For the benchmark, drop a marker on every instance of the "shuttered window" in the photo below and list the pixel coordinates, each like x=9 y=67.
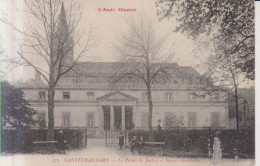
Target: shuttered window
x=215 y=119
x=90 y=119
x=66 y=119
x=192 y=119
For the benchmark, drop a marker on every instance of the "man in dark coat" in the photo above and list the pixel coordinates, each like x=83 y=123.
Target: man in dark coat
x=61 y=142
x=121 y=140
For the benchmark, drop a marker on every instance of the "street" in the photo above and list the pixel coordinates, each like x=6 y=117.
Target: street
x=98 y=154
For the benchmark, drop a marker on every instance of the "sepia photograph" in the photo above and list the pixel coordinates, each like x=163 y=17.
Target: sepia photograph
x=119 y=82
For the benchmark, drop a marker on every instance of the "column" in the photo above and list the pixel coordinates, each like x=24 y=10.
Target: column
x=123 y=118
x=112 y=121
x=100 y=120
x=135 y=121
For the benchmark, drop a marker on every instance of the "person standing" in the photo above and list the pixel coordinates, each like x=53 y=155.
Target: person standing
x=141 y=144
x=121 y=140
x=61 y=142
x=133 y=143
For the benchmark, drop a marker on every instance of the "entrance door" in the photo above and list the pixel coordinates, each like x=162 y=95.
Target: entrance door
x=106 y=112
x=117 y=117
x=129 y=117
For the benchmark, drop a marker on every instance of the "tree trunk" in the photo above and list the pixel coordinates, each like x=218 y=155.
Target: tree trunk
x=150 y=114
x=51 y=94
x=51 y=88
x=237 y=111
x=236 y=94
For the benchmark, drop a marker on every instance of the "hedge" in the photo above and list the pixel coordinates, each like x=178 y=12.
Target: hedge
x=21 y=140
x=201 y=140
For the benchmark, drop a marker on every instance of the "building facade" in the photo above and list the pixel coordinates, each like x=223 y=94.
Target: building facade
x=90 y=101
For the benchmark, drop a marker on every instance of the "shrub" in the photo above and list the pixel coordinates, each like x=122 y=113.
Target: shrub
x=198 y=140
x=21 y=140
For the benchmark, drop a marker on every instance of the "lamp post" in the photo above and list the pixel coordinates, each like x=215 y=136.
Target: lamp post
x=207 y=126
x=244 y=108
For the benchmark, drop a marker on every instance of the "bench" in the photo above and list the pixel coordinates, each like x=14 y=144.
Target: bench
x=154 y=147
x=45 y=145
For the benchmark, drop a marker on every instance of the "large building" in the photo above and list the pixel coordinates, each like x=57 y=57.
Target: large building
x=87 y=98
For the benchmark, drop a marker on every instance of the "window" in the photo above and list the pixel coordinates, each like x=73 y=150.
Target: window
x=144 y=96
x=144 y=119
x=41 y=116
x=90 y=95
x=66 y=95
x=215 y=119
x=42 y=95
x=66 y=119
x=192 y=119
x=196 y=96
x=41 y=120
x=168 y=96
x=90 y=119
x=168 y=119
x=215 y=96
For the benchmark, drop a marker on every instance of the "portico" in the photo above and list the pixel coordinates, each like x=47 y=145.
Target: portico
x=117 y=111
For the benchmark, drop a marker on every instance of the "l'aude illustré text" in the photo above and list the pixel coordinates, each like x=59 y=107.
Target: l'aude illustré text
x=117 y=9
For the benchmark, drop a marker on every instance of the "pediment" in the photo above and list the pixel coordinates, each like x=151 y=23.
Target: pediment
x=117 y=96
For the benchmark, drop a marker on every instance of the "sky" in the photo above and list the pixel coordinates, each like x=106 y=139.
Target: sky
x=107 y=26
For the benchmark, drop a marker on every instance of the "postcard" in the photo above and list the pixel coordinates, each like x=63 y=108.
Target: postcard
x=118 y=82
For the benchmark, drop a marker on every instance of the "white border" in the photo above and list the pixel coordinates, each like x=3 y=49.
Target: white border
x=257 y=80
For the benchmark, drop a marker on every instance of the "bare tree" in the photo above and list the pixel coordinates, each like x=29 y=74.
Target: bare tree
x=222 y=74
x=49 y=40
x=142 y=59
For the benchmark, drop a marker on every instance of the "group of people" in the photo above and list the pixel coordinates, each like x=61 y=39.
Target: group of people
x=137 y=144
x=134 y=142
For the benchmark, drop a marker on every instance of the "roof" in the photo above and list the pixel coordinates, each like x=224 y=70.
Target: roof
x=110 y=67
x=100 y=74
